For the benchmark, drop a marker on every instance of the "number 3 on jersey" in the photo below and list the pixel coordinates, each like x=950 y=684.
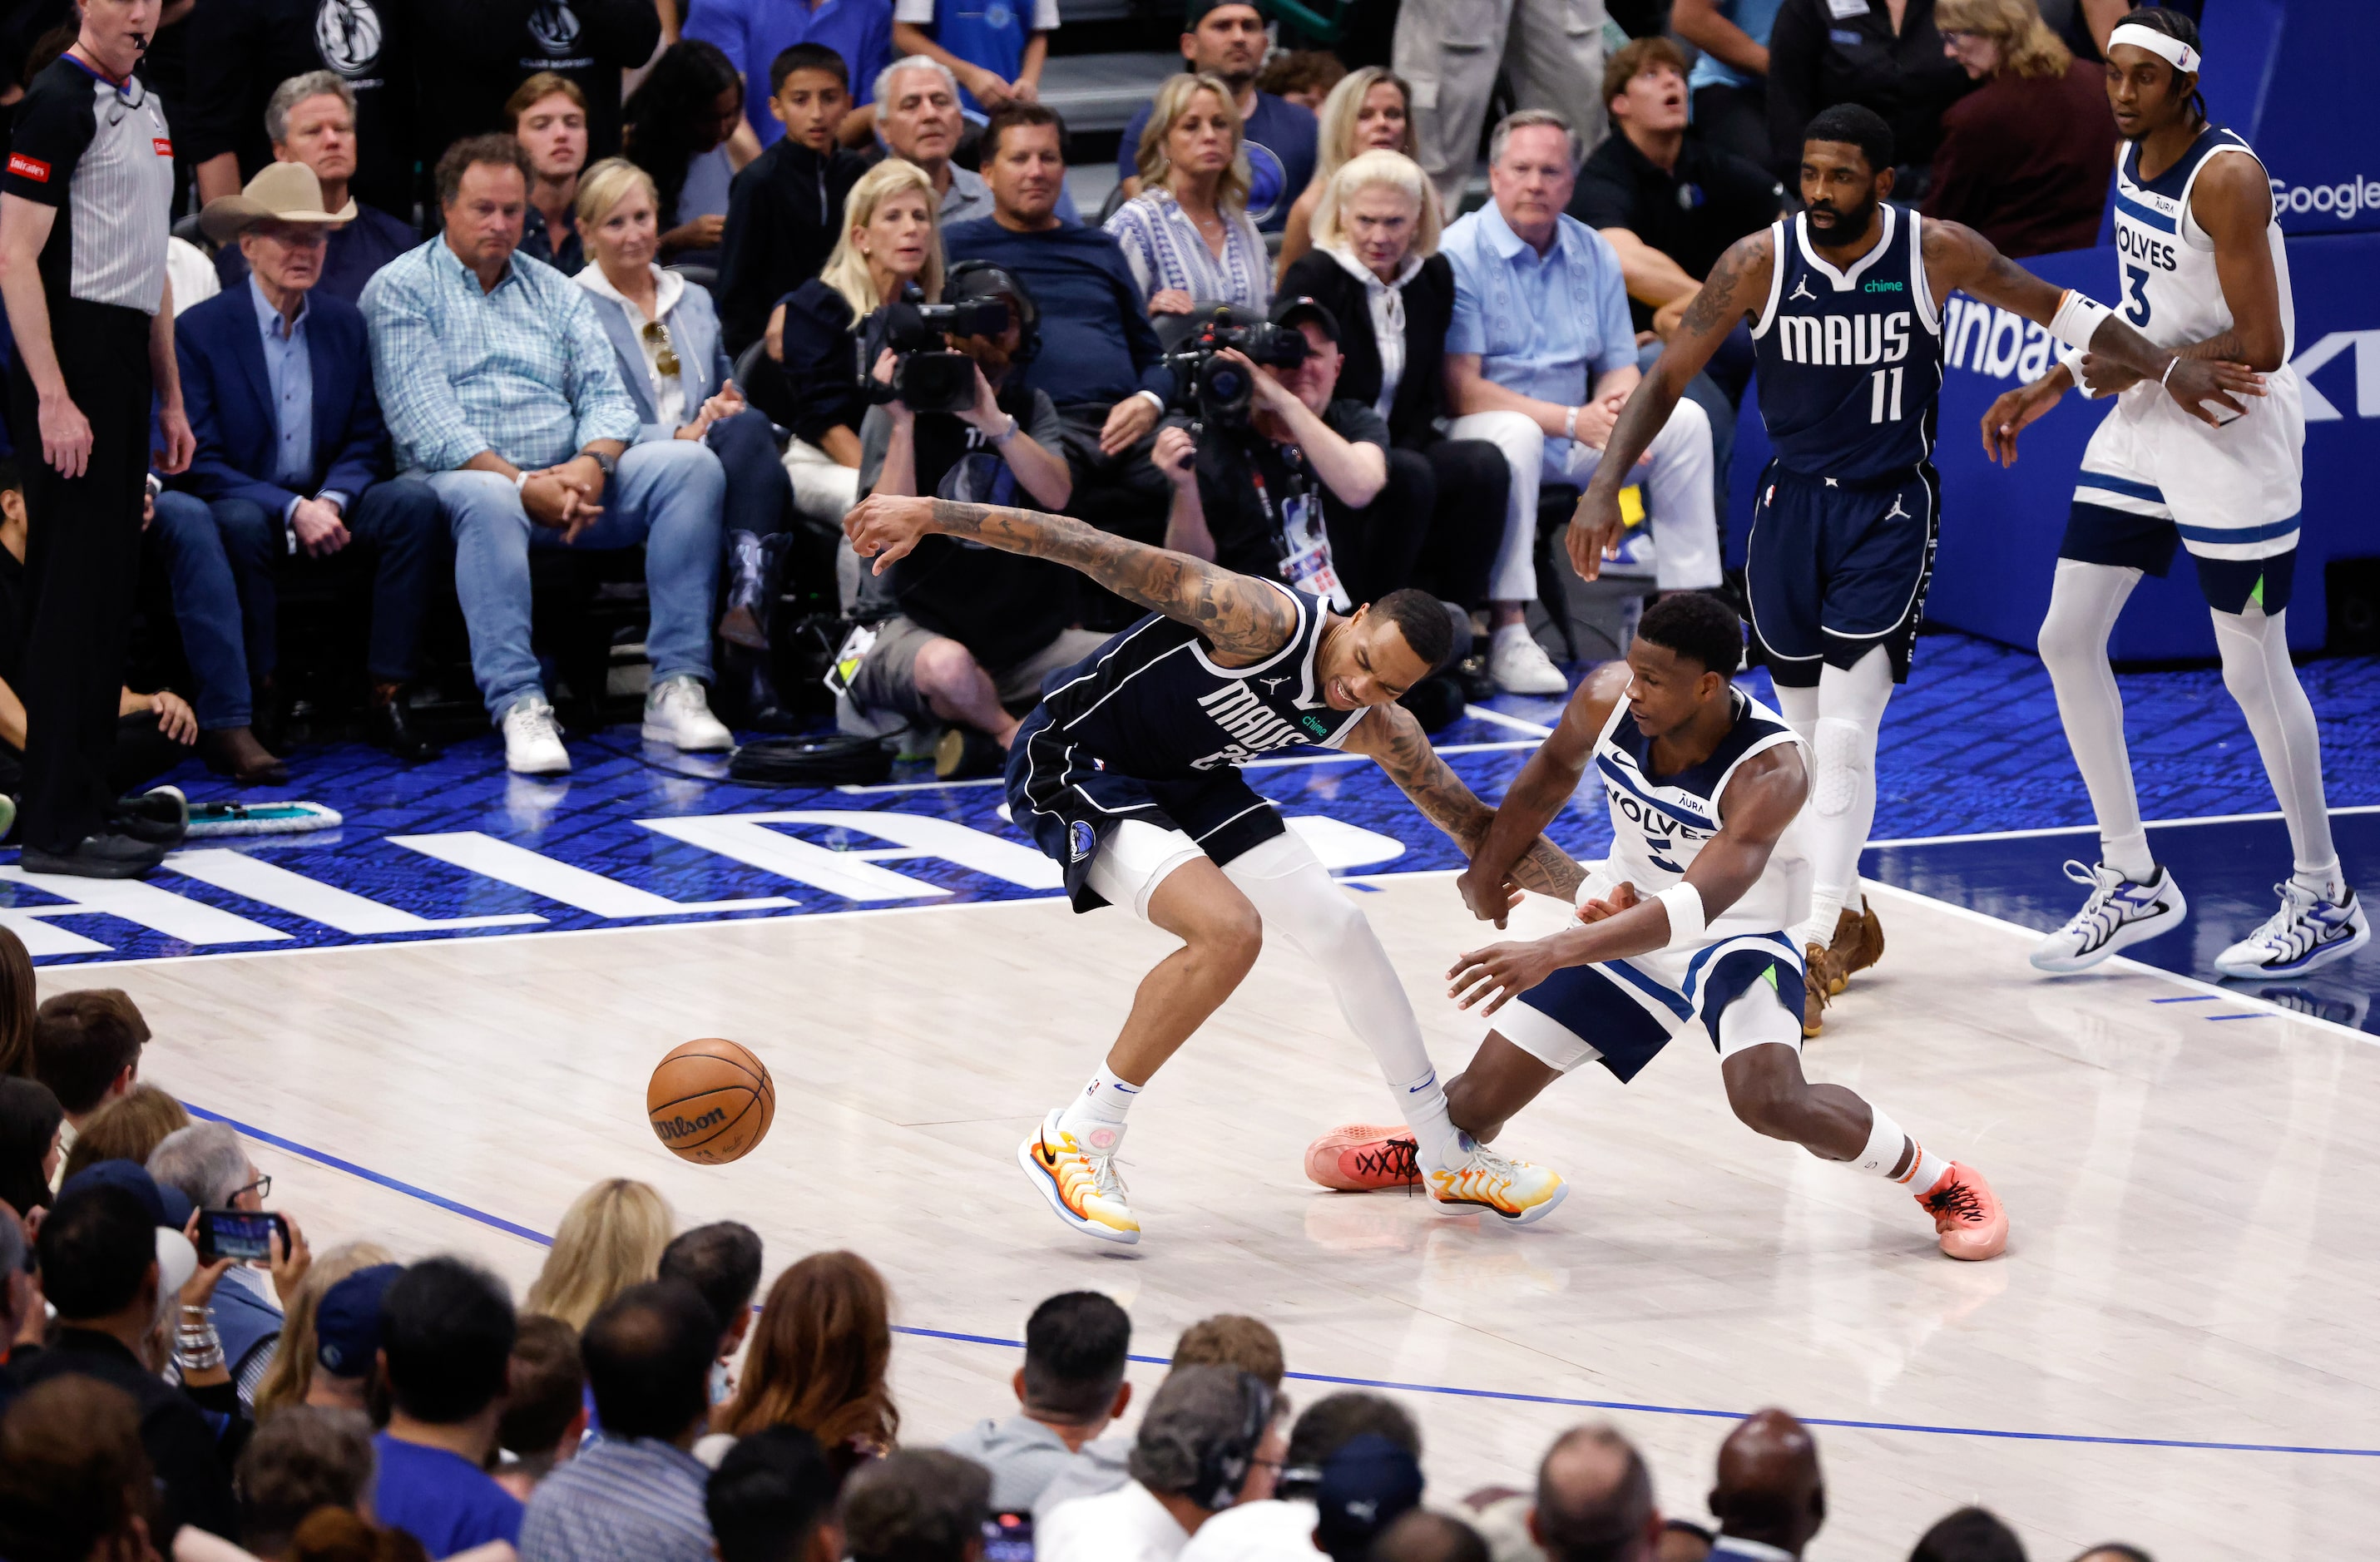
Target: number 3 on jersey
x=1879 y=395
x=2138 y=279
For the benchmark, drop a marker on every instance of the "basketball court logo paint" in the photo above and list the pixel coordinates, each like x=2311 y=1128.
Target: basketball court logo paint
x=349 y=34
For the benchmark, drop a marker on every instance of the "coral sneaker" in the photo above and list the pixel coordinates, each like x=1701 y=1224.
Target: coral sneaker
x=1517 y=1190
x=1079 y=1181
x=1967 y=1213
x=1360 y=1157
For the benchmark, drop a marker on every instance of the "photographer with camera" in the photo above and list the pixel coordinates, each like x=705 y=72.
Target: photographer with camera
x=977 y=629
x=1275 y=478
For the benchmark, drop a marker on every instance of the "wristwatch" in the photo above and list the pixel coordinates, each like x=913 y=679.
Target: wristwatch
x=609 y=463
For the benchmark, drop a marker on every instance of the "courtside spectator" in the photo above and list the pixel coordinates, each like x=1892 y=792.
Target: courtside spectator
x=297 y=1462
x=721 y=1261
x=919 y=119
x=785 y=210
x=1304 y=77
x=676 y=128
x=1594 y=1500
x=1971 y=1534
x=1544 y=379
x=1226 y=39
x=1377 y=269
x=1280 y=1528
x=1195 y=1454
x=1100 y=357
x=86 y=1049
x=125 y=1128
x=114 y=1261
x=995 y=52
x=297 y=1376
x=1369 y=1483
x=545 y=1405
x=446 y=1338
x=349 y=1370
x=485 y=50
x=17 y=999
x=757 y=34
x=1683 y=1541
x=1423 y=1536
x=666 y=340
x=916 y=1505
x=76 y=1483
x=313 y=119
x=1820 y=56
x=1234 y=1340
x=817 y=1360
x=1549 y=50
x=2024 y=157
x=2115 y=1551
x=1070 y=1390
x=277 y=376
x=547 y=114
x=1369 y=110
x=636 y=1495
x=1731 y=75
x=23 y=1315
x=826 y=332
x=771 y=1499
x=977 y=629
x=529 y=435
x=153 y=733
x=211 y=1167
x=1187 y=235
x=1770 y=1497
x=610 y=1239
x=244 y=55
x=31 y=1122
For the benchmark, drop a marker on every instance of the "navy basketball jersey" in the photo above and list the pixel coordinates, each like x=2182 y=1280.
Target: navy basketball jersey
x=1851 y=362
x=1151 y=705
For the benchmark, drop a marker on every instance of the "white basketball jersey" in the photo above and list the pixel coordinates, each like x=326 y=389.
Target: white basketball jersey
x=1661 y=823
x=2166 y=286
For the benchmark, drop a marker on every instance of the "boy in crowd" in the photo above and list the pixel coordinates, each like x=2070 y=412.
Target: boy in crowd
x=785 y=210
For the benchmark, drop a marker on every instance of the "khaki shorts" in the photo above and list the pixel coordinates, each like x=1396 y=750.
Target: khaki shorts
x=887 y=679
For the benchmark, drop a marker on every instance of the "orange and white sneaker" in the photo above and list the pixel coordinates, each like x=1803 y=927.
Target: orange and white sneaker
x=1080 y=1179
x=1967 y=1213
x=1516 y=1191
x=1359 y=1158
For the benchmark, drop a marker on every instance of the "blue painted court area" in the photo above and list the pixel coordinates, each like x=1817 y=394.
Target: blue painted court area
x=639 y=835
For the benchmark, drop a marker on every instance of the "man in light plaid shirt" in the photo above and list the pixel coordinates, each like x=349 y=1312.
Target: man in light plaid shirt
x=500 y=387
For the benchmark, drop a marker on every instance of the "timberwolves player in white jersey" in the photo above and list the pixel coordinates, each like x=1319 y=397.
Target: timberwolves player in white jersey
x=1846 y=305
x=2204 y=273
x=1685 y=926
x=1128 y=776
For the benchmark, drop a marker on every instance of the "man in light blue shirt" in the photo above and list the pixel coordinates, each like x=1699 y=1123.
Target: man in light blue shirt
x=500 y=387
x=1539 y=358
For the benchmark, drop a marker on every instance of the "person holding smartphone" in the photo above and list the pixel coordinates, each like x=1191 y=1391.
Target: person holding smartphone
x=210 y=1167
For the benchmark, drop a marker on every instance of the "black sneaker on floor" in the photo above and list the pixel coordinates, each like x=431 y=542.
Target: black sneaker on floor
x=112 y=854
x=161 y=817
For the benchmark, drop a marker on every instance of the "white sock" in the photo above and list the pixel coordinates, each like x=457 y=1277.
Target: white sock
x=1096 y=1115
x=2084 y=601
x=2129 y=856
x=2325 y=881
x=1887 y=1143
x=1438 y=1144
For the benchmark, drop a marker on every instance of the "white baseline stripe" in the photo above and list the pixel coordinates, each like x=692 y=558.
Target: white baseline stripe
x=2094 y=830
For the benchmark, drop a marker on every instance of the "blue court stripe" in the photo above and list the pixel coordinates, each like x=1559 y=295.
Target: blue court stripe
x=2191 y=998
x=1506 y=1396
x=2148 y=215
x=2265 y=533
x=2237 y=1016
x=2125 y=486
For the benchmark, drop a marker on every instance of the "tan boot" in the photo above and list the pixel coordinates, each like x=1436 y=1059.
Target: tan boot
x=1858 y=943
x=1818 y=985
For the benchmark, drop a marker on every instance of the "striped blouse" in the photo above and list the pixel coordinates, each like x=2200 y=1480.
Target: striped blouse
x=1165 y=249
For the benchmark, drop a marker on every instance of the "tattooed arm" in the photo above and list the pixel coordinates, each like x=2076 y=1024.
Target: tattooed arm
x=1246 y=620
x=1392 y=736
x=1738 y=287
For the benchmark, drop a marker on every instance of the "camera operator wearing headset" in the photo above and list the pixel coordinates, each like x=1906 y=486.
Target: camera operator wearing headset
x=976 y=629
x=1296 y=488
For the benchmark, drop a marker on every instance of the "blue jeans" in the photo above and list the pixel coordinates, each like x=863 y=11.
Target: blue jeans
x=666 y=495
x=760 y=496
x=222 y=557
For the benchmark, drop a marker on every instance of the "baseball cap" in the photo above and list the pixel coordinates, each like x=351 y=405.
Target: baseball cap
x=1290 y=312
x=347 y=1322
x=169 y=1207
x=1366 y=1484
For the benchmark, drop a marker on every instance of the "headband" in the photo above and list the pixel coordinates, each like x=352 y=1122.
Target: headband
x=2173 y=51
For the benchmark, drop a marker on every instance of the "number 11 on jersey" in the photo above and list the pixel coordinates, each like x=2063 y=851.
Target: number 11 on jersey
x=1879 y=396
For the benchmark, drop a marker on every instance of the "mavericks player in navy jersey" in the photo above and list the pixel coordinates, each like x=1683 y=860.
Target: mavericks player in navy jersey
x=2205 y=274
x=1846 y=304
x=1127 y=775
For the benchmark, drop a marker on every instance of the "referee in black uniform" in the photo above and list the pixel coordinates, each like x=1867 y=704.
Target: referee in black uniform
x=84 y=209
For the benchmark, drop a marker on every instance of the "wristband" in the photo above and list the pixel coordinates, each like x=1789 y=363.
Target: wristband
x=1008 y=433
x=1684 y=904
x=2077 y=318
x=1569 y=423
x=2073 y=362
x=2168 y=369
x=520 y=482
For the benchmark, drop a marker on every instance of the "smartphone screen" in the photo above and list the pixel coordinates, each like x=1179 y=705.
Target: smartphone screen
x=240 y=1233
x=1008 y=1537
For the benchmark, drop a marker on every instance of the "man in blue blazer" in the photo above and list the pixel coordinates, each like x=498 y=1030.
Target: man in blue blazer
x=293 y=461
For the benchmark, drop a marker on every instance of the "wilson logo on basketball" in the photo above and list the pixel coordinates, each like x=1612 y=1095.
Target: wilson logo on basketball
x=680 y=1127
x=31 y=168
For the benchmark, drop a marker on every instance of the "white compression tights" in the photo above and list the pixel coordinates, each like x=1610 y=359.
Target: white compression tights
x=1839 y=719
x=2084 y=602
x=1298 y=899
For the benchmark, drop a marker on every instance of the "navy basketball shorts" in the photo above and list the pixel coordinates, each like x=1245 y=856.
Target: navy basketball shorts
x=1621 y=1012
x=1833 y=571
x=2125 y=522
x=1074 y=805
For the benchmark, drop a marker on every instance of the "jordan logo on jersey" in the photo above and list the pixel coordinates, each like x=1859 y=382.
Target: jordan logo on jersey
x=1801 y=290
x=1836 y=340
x=1255 y=729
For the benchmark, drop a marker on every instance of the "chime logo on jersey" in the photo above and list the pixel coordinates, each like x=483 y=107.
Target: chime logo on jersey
x=1843 y=340
x=1258 y=730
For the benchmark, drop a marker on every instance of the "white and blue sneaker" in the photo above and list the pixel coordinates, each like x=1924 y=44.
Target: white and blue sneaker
x=2307 y=932
x=2119 y=913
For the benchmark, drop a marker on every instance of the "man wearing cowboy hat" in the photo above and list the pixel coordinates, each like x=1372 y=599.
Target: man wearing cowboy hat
x=293 y=463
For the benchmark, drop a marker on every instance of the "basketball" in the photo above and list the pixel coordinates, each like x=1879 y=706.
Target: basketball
x=711 y=1101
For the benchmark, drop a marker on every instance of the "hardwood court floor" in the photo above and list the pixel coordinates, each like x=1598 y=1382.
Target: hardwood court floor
x=2190 y=1179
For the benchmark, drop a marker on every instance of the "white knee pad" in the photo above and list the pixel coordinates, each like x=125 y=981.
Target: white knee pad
x=1845 y=764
